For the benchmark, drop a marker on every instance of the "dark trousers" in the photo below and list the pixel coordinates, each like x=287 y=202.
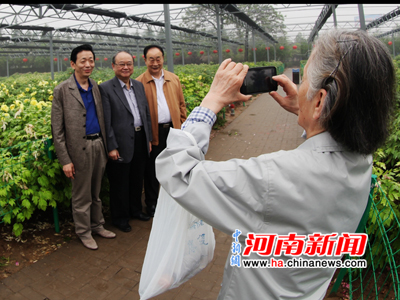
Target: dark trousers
x=151 y=184
x=126 y=182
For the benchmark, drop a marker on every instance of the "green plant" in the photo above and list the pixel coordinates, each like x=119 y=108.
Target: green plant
x=4 y=261
x=30 y=180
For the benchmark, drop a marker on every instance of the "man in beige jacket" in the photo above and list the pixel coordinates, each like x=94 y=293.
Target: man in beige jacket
x=78 y=130
x=167 y=109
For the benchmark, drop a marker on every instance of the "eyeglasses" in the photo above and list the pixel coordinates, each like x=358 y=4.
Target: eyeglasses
x=121 y=65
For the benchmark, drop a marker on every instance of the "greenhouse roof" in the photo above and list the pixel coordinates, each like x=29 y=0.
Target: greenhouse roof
x=27 y=26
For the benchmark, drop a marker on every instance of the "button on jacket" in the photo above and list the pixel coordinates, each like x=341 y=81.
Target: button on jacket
x=317 y=187
x=175 y=100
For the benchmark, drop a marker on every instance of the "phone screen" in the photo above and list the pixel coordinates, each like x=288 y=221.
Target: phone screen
x=259 y=80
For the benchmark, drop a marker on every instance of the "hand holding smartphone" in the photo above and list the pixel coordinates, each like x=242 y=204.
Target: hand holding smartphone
x=259 y=80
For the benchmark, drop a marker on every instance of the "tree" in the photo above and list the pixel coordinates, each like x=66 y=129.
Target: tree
x=265 y=16
x=302 y=45
x=201 y=18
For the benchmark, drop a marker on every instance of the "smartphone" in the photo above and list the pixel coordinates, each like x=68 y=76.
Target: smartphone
x=259 y=80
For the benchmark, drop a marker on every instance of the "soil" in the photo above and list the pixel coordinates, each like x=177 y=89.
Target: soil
x=39 y=237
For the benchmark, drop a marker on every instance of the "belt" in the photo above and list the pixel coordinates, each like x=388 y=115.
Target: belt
x=138 y=128
x=165 y=125
x=93 y=136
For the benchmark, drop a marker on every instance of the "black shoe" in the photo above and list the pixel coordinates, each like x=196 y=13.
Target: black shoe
x=141 y=217
x=151 y=210
x=123 y=226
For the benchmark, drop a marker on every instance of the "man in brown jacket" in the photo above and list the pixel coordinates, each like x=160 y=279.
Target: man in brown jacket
x=167 y=109
x=79 y=139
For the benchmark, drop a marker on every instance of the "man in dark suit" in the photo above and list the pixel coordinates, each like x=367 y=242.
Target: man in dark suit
x=129 y=136
x=79 y=139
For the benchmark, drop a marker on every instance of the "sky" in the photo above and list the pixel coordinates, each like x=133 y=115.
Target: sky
x=299 y=18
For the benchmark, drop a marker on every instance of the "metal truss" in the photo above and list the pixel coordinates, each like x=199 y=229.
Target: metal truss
x=107 y=28
x=324 y=15
x=388 y=17
x=388 y=33
x=93 y=21
x=242 y=19
x=307 y=26
x=231 y=8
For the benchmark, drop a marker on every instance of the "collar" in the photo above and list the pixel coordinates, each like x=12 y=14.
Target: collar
x=161 y=77
x=322 y=142
x=79 y=86
x=123 y=83
x=148 y=77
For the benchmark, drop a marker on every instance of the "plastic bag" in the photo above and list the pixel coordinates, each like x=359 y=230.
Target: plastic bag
x=179 y=247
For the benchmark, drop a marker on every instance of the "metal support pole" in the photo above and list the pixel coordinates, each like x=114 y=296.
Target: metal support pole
x=254 y=47
x=138 y=55
x=274 y=53
x=362 y=18
x=183 y=56
x=334 y=15
x=56 y=220
x=394 y=52
x=58 y=62
x=208 y=55
x=170 y=58
x=8 y=69
x=219 y=34
x=51 y=55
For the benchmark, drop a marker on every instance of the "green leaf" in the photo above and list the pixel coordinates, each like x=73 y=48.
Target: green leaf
x=26 y=204
x=26 y=173
x=3 y=192
x=43 y=181
x=17 y=229
x=7 y=218
x=42 y=204
x=20 y=217
x=35 y=200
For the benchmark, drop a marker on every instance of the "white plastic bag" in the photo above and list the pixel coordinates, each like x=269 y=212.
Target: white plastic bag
x=179 y=247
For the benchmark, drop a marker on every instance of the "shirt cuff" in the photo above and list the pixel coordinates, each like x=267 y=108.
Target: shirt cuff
x=200 y=114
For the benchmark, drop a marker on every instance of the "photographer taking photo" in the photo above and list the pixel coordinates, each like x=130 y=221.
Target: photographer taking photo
x=344 y=105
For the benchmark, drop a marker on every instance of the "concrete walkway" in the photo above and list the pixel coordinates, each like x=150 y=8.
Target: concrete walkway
x=113 y=271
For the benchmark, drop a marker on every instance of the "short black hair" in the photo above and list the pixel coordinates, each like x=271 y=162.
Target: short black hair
x=147 y=48
x=84 y=47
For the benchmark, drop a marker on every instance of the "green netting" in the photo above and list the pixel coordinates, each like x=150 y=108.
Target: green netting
x=380 y=280
x=280 y=69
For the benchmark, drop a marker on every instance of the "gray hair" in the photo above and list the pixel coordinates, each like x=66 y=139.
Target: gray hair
x=357 y=72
